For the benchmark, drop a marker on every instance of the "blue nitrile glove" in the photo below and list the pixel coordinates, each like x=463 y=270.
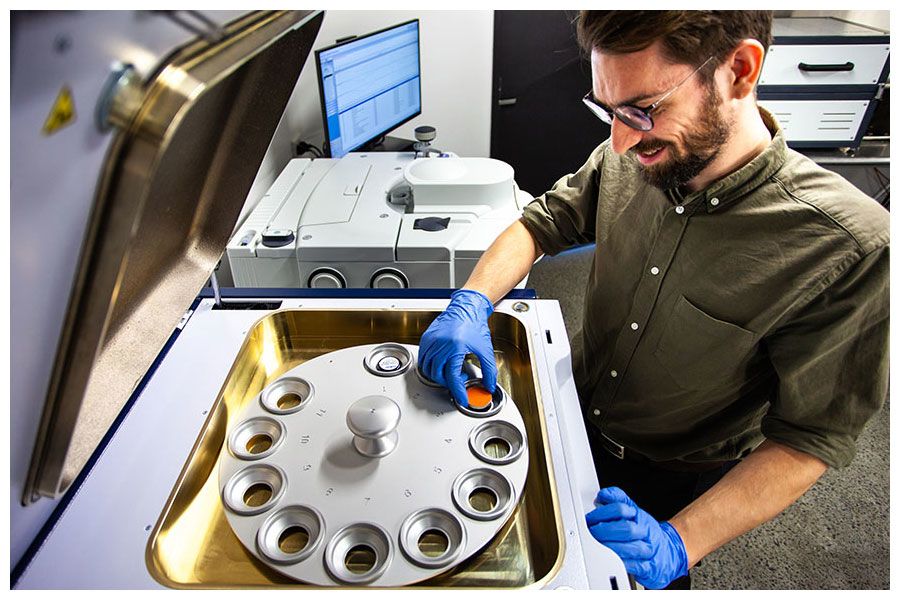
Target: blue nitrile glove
x=652 y=551
x=459 y=330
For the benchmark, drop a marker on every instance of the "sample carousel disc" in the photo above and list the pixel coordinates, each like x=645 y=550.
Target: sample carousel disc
x=350 y=469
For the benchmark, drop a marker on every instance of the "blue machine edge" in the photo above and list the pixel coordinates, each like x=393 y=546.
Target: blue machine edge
x=427 y=293
x=54 y=517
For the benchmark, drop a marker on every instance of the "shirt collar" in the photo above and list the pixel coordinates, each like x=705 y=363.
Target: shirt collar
x=738 y=184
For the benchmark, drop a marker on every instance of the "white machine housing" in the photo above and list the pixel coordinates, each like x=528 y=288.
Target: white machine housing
x=379 y=220
x=129 y=367
x=101 y=539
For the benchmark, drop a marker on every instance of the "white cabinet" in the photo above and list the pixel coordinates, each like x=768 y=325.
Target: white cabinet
x=822 y=78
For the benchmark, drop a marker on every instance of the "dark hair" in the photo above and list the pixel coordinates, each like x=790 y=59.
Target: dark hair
x=688 y=36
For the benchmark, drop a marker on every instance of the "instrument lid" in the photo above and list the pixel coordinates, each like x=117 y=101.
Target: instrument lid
x=190 y=143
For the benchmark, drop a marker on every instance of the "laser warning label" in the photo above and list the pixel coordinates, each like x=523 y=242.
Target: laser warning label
x=62 y=113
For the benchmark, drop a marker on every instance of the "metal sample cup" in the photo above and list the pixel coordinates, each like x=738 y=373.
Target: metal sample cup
x=358 y=553
x=432 y=538
x=497 y=442
x=256 y=438
x=287 y=395
x=254 y=490
x=483 y=494
x=290 y=535
x=388 y=360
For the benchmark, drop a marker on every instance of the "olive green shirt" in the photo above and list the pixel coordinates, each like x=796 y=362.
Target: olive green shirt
x=756 y=308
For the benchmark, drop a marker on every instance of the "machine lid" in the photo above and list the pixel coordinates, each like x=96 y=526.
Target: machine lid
x=178 y=172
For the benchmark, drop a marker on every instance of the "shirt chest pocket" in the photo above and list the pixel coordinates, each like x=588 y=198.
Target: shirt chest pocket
x=700 y=352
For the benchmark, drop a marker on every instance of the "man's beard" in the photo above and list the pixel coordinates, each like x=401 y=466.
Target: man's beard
x=700 y=147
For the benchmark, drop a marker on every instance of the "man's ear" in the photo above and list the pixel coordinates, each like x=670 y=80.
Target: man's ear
x=745 y=65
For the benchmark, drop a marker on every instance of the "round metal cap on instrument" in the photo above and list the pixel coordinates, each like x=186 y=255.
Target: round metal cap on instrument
x=388 y=360
x=373 y=421
x=326 y=278
x=388 y=363
x=425 y=133
x=389 y=279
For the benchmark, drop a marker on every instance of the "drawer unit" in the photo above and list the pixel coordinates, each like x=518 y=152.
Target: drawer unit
x=820 y=121
x=822 y=79
x=822 y=65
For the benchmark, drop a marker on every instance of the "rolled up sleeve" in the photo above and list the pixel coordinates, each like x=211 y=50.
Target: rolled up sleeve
x=565 y=216
x=832 y=362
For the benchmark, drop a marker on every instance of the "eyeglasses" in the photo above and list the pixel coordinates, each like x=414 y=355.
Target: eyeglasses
x=633 y=116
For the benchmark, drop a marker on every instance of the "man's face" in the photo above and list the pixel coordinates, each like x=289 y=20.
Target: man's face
x=689 y=128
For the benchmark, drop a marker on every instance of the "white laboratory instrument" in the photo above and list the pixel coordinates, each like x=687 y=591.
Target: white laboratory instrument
x=123 y=403
x=375 y=220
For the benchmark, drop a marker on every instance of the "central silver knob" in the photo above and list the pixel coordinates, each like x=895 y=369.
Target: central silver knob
x=373 y=421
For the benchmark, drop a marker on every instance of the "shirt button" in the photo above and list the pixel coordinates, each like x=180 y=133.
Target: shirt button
x=634 y=326
x=679 y=209
x=596 y=412
x=714 y=201
x=654 y=270
x=614 y=373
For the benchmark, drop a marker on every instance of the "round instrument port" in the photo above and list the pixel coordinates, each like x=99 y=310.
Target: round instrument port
x=290 y=535
x=482 y=494
x=287 y=395
x=358 y=553
x=389 y=279
x=388 y=360
x=432 y=538
x=256 y=438
x=327 y=278
x=254 y=490
x=497 y=442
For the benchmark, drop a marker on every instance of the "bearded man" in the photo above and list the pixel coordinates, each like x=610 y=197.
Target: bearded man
x=735 y=328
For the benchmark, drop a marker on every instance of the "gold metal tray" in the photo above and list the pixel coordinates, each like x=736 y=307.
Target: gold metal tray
x=192 y=545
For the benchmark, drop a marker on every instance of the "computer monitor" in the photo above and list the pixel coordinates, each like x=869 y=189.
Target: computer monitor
x=368 y=86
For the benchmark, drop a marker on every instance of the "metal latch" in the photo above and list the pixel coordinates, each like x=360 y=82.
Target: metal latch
x=184 y=319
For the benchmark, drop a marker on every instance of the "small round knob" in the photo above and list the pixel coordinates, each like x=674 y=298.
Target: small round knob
x=425 y=133
x=373 y=421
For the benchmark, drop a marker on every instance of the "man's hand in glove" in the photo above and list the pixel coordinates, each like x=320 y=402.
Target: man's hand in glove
x=459 y=330
x=652 y=551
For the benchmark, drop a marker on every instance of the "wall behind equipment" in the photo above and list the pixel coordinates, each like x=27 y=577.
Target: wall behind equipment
x=456 y=48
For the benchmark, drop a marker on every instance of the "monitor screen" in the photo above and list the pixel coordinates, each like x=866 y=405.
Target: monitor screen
x=369 y=85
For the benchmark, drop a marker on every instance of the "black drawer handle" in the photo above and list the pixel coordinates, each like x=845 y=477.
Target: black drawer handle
x=847 y=66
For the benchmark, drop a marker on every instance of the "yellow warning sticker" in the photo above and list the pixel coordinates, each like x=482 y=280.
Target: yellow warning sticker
x=62 y=113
